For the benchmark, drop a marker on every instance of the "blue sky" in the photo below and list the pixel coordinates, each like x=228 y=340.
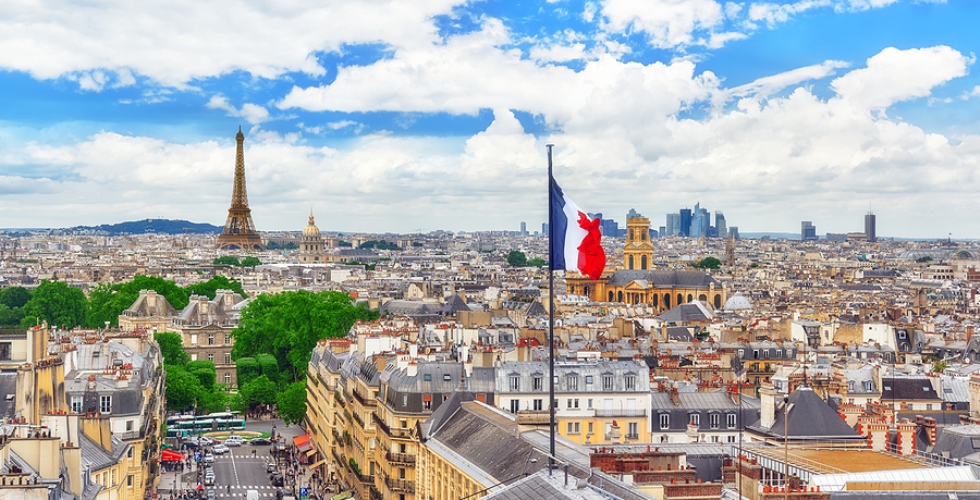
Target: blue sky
x=406 y=115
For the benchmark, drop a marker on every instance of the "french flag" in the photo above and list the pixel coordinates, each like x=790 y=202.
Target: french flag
x=575 y=238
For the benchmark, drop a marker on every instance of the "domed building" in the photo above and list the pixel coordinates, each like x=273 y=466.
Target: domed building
x=311 y=245
x=738 y=302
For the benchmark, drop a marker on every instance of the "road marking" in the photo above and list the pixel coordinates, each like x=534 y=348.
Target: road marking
x=235 y=468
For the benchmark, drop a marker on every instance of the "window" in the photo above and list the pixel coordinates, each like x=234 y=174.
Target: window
x=590 y=404
x=129 y=425
x=210 y=339
x=715 y=420
x=427 y=403
x=227 y=358
x=664 y=420
x=129 y=480
x=193 y=339
x=572 y=404
x=695 y=418
x=427 y=377
x=129 y=452
x=765 y=354
x=607 y=382
x=573 y=428
x=227 y=379
x=105 y=404
x=571 y=382
x=515 y=405
x=227 y=339
x=731 y=420
x=630 y=382
x=536 y=384
x=731 y=439
x=538 y=405
x=211 y=357
x=447 y=377
x=4 y=351
x=515 y=383
x=632 y=430
x=588 y=380
x=590 y=427
x=76 y=404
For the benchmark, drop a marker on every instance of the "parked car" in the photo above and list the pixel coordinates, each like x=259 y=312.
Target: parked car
x=234 y=441
x=261 y=441
x=211 y=495
x=270 y=468
x=277 y=479
x=209 y=478
x=209 y=458
x=220 y=449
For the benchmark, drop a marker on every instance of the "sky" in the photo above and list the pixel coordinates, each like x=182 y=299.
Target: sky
x=418 y=115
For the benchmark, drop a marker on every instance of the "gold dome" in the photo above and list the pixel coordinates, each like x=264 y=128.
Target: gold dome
x=311 y=231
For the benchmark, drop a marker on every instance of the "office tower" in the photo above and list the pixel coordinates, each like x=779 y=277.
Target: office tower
x=673 y=225
x=733 y=232
x=721 y=224
x=700 y=221
x=869 y=227
x=663 y=232
x=808 y=231
x=544 y=228
x=523 y=228
x=632 y=215
x=685 y=228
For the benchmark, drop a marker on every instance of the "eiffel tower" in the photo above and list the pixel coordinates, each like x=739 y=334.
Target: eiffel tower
x=239 y=232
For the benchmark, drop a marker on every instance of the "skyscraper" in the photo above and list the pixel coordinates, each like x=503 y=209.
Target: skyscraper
x=700 y=221
x=721 y=224
x=685 y=228
x=808 y=231
x=673 y=226
x=523 y=228
x=869 y=227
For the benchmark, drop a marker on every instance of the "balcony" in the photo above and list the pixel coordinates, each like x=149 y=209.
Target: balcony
x=620 y=413
x=364 y=402
x=364 y=478
x=401 y=485
x=398 y=432
x=375 y=494
x=400 y=458
x=533 y=417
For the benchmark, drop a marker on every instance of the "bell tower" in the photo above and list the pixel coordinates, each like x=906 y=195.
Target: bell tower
x=638 y=250
x=239 y=232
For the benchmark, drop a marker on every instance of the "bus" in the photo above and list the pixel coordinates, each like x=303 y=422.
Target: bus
x=187 y=425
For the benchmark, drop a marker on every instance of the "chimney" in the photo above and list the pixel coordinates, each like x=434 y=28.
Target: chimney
x=767 y=400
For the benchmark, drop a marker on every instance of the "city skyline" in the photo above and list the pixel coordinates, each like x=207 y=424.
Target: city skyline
x=404 y=116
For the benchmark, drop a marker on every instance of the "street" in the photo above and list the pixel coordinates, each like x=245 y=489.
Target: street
x=238 y=471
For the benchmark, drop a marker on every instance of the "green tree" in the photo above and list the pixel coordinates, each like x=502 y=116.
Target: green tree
x=226 y=260
x=107 y=302
x=268 y=365
x=292 y=403
x=171 y=348
x=516 y=258
x=15 y=296
x=183 y=389
x=251 y=262
x=10 y=316
x=204 y=371
x=247 y=369
x=260 y=391
x=57 y=303
x=708 y=263
x=537 y=262
x=211 y=287
x=288 y=325
x=213 y=401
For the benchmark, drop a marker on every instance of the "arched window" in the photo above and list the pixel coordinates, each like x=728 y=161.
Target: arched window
x=717 y=301
x=586 y=291
x=620 y=297
x=643 y=262
x=631 y=262
x=703 y=298
x=680 y=299
x=666 y=301
x=612 y=297
x=690 y=298
x=655 y=300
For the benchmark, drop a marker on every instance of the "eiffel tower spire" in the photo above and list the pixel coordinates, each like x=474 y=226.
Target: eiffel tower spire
x=239 y=232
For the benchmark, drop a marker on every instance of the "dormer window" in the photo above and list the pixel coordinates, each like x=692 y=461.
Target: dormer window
x=427 y=377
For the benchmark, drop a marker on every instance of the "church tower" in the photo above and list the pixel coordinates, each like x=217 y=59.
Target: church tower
x=311 y=246
x=638 y=250
x=239 y=232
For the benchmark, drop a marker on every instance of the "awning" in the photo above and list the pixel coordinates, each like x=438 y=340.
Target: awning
x=310 y=452
x=171 y=456
x=302 y=442
x=317 y=464
x=343 y=496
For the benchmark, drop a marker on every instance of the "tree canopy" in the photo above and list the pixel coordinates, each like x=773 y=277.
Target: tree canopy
x=171 y=348
x=15 y=296
x=516 y=258
x=292 y=402
x=708 y=263
x=288 y=325
x=211 y=287
x=57 y=303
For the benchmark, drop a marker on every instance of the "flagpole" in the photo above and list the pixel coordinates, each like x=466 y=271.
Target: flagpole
x=551 y=316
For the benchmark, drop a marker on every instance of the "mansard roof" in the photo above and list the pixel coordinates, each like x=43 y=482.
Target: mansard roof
x=664 y=278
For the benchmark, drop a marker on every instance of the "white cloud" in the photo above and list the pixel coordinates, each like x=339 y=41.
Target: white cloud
x=973 y=93
x=773 y=13
x=895 y=75
x=668 y=23
x=772 y=84
x=174 y=42
x=252 y=113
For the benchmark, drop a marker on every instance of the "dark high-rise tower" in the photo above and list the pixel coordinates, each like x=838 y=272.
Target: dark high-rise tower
x=808 y=231
x=869 y=227
x=685 y=222
x=239 y=230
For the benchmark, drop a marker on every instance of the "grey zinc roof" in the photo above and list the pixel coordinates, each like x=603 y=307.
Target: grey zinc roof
x=810 y=418
x=8 y=388
x=664 y=278
x=685 y=313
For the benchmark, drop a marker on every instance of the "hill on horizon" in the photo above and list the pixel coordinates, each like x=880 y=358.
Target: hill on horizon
x=162 y=226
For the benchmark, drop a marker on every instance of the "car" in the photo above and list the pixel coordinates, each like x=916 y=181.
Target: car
x=209 y=478
x=209 y=458
x=261 y=441
x=277 y=479
x=220 y=449
x=234 y=441
x=270 y=468
x=211 y=495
